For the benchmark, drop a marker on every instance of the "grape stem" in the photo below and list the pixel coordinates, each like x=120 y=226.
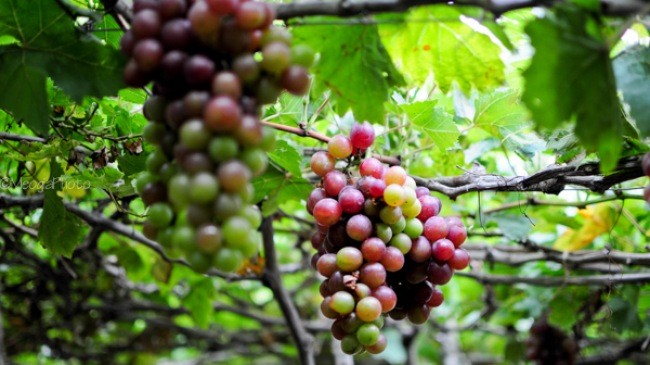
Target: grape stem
x=496 y=7
x=272 y=278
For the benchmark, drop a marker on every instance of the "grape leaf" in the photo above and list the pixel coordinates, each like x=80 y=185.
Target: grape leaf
x=199 y=301
x=277 y=187
x=632 y=70
x=435 y=37
x=60 y=231
x=571 y=76
x=286 y=156
x=48 y=44
x=363 y=81
x=500 y=113
x=433 y=122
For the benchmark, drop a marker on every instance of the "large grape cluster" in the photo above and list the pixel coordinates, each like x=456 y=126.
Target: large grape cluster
x=381 y=244
x=549 y=345
x=645 y=165
x=213 y=64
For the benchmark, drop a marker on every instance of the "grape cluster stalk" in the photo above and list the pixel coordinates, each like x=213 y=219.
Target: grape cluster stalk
x=382 y=245
x=212 y=65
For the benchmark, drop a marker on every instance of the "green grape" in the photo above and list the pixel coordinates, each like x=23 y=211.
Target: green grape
x=160 y=215
x=228 y=260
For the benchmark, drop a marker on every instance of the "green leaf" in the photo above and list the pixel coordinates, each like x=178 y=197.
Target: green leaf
x=632 y=70
x=433 y=122
x=354 y=65
x=60 y=231
x=435 y=37
x=199 y=301
x=500 y=113
x=514 y=227
x=48 y=44
x=571 y=76
x=286 y=156
x=132 y=164
x=276 y=187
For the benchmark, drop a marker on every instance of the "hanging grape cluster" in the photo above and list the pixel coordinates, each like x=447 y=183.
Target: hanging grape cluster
x=213 y=64
x=549 y=345
x=381 y=244
x=645 y=164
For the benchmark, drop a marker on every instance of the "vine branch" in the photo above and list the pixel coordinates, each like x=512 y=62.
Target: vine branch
x=496 y=7
x=606 y=280
x=272 y=278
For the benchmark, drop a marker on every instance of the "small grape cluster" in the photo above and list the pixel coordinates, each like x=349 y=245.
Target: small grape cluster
x=549 y=345
x=381 y=244
x=213 y=64
x=645 y=165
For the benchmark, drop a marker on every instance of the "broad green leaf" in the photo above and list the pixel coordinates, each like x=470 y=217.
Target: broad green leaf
x=286 y=156
x=571 y=76
x=632 y=70
x=434 y=122
x=624 y=310
x=435 y=39
x=60 y=231
x=199 y=301
x=500 y=113
x=514 y=226
x=275 y=187
x=49 y=45
x=354 y=65
x=132 y=164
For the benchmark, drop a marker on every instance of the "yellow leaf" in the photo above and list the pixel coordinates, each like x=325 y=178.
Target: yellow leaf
x=598 y=220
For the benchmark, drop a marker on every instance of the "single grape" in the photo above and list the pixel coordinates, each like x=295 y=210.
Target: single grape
x=459 y=260
x=439 y=274
x=395 y=175
x=442 y=249
x=339 y=146
x=371 y=167
x=420 y=250
x=456 y=234
x=349 y=259
x=194 y=135
x=379 y=346
x=359 y=227
x=146 y=24
x=295 y=79
x=208 y=239
x=342 y=302
x=402 y=242
x=373 y=274
x=413 y=228
x=250 y=15
x=386 y=297
x=393 y=259
x=333 y=182
x=327 y=211
x=222 y=114
x=368 y=309
x=362 y=135
x=327 y=311
x=228 y=260
x=160 y=215
x=226 y=83
x=373 y=249
x=322 y=163
x=435 y=228
x=351 y=201
x=204 y=188
x=394 y=195
x=368 y=334
x=276 y=57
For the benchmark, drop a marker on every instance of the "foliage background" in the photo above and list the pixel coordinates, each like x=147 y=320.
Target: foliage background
x=469 y=103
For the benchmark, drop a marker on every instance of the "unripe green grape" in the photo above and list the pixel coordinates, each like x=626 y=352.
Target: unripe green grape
x=350 y=345
x=394 y=195
x=252 y=214
x=302 y=55
x=368 y=334
x=223 y=148
x=250 y=246
x=204 y=188
x=414 y=228
x=199 y=261
x=276 y=56
x=390 y=215
x=235 y=230
x=384 y=232
x=153 y=132
x=255 y=159
x=410 y=195
x=402 y=242
x=164 y=237
x=226 y=205
x=167 y=171
x=399 y=226
x=155 y=161
x=412 y=210
x=160 y=215
x=195 y=135
x=142 y=180
x=368 y=309
x=228 y=260
x=342 y=302
x=268 y=139
x=349 y=259
x=184 y=238
x=179 y=187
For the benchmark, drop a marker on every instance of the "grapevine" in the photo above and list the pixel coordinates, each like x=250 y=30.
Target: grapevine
x=382 y=246
x=213 y=64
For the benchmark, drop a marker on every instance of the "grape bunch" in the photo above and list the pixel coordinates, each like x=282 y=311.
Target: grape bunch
x=381 y=244
x=549 y=345
x=212 y=64
x=645 y=165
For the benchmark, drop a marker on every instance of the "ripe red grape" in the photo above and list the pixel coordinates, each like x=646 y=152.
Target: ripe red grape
x=362 y=135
